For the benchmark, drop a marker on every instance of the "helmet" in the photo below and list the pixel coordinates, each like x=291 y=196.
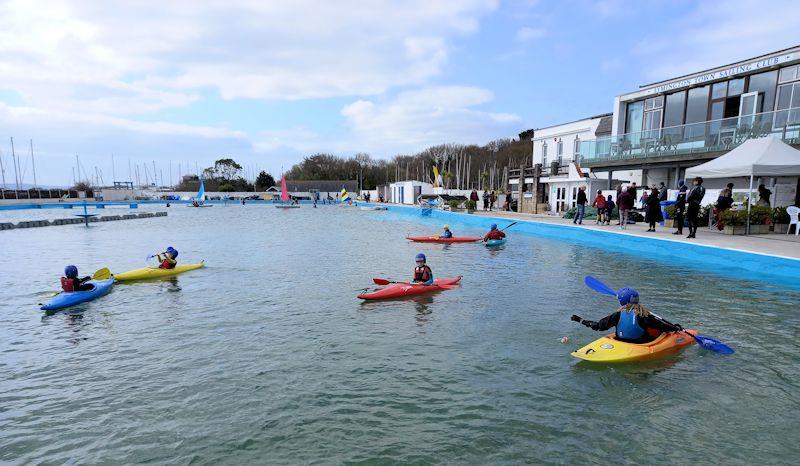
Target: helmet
x=71 y=271
x=493 y=227
x=420 y=257
x=446 y=226
x=628 y=296
x=172 y=252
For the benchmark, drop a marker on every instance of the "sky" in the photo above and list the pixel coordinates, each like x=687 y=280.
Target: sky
x=183 y=83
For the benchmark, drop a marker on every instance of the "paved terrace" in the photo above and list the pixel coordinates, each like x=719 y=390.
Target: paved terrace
x=772 y=244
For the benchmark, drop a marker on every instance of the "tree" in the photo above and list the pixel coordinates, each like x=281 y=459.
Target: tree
x=264 y=180
x=226 y=188
x=227 y=169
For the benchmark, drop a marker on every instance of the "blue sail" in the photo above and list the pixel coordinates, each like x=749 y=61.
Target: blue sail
x=201 y=194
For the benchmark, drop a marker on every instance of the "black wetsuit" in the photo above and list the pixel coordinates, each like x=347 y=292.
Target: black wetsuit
x=646 y=323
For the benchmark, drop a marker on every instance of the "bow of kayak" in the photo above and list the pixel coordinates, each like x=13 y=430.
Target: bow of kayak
x=71 y=298
x=610 y=350
x=493 y=243
x=402 y=290
x=155 y=272
x=439 y=239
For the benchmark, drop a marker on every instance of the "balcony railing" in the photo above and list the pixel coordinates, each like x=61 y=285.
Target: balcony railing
x=707 y=136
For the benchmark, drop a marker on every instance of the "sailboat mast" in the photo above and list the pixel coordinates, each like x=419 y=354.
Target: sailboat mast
x=33 y=162
x=14 y=158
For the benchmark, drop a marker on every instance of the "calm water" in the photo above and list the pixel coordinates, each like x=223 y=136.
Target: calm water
x=266 y=356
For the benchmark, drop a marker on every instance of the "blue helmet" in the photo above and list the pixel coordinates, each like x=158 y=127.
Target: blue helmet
x=628 y=296
x=493 y=227
x=71 y=271
x=420 y=257
x=172 y=252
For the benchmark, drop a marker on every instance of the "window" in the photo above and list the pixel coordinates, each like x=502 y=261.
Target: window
x=560 y=151
x=719 y=90
x=653 y=109
x=789 y=74
x=787 y=109
x=577 y=148
x=673 y=113
x=697 y=105
x=764 y=84
x=633 y=120
x=735 y=87
x=544 y=154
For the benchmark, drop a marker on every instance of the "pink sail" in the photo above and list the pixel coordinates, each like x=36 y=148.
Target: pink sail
x=284 y=192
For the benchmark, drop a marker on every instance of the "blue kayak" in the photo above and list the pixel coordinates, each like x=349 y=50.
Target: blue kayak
x=495 y=242
x=71 y=298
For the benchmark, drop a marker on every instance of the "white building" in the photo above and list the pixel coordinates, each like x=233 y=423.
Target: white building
x=407 y=192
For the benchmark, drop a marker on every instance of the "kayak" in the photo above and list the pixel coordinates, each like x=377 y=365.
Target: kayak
x=402 y=290
x=71 y=298
x=377 y=207
x=492 y=243
x=610 y=350
x=155 y=272
x=439 y=239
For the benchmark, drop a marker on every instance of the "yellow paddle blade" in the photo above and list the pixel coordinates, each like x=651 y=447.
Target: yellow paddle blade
x=436 y=237
x=102 y=274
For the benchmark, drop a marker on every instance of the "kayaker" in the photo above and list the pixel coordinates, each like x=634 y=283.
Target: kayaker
x=494 y=233
x=72 y=283
x=422 y=273
x=634 y=323
x=167 y=259
x=447 y=233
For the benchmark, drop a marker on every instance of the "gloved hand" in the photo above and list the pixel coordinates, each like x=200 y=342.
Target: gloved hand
x=575 y=318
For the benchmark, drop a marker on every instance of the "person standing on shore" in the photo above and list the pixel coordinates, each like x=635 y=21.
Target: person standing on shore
x=662 y=192
x=609 y=209
x=581 y=206
x=653 y=209
x=473 y=196
x=492 y=200
x=619 y=191
x=632 y=191
x=724 y=202
x=695 y=199
x=763 y=196
x=600 y=204
x=625 y=204
x=508 y=200
x=680 y=207
x=485 y=200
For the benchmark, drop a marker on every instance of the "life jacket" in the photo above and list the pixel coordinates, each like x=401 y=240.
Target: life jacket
x=68 y=284
x=628 y=327
x=447 y=234
x=495 y=234
x=166 y=264
x=422 y=274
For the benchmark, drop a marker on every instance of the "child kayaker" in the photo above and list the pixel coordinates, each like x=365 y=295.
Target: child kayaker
x=167 y=259
x=494 y=233
x=72 y=283
x=447 y=233
x=634 y=323
x=422 y=273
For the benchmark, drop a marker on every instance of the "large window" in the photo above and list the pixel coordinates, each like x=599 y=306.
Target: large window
x=764 y=84
x=697 y=105
x=789 y=74
x=653 y=110
x=577 y=146
x=787 y=110
x=560 y=152
x=673 y=112
x=633 y=119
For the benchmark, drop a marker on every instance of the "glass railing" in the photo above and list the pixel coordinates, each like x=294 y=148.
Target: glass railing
x=706 y=136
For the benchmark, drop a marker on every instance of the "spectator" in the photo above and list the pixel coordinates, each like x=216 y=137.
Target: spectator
x=492 y=200
x=473 y=196
x=600 y=204
x=581 y=206
x=653 y=209
x=694 y=200
x=485 y=200
x=632 y=190
x=680 y=207
x=724 y=202
x=508 y=200
x=763 y=196
x=609 y=209
x=662 y=192
x=625 y=204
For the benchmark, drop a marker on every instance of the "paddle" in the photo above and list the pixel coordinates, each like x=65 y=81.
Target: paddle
x=102 y=274
x=383 y=281
x=702 y=340
x=508 y=226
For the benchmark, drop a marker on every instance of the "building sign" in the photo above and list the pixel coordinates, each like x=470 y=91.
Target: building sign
x=718 y=74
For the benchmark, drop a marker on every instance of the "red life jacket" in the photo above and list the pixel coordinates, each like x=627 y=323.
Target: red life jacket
x=422 y=274
x=495 y=234
x=166 y=264
x=68 y=284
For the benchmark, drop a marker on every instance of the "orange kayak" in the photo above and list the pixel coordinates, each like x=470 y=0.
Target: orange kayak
x=439 y=239
x=610 y=350
x=402 y=290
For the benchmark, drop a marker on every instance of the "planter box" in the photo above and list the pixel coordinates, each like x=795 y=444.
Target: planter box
x=470 y=211
x=780 y=228
x=759 y=229
x=735 y=230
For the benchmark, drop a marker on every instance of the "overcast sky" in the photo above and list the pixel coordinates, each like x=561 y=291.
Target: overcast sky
x=266 y=82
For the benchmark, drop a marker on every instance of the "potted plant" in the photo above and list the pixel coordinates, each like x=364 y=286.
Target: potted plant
x=735 y=222
x=672 y=211
x=760 y=219
x=455 y=205
x=471 y=206
x=780 y=220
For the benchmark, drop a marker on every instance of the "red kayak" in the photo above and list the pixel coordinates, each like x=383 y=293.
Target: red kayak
x=439 y=239
x=402 y=290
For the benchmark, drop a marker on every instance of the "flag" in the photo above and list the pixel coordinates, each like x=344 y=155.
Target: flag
x=437 y=178
x=344 y=197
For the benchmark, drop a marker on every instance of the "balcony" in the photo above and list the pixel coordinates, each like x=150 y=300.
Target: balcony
x=693 y=141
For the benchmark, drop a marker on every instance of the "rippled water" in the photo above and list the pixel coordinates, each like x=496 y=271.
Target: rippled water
x=266 y=356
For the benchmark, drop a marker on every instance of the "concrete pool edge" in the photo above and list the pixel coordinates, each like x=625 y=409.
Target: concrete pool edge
x=739 y=263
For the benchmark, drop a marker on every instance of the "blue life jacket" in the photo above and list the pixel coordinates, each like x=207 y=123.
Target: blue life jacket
x=628 y=326
x=447 y=234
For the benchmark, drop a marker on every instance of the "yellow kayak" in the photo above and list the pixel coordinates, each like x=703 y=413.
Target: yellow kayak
x=610 y=350
x=155 y=272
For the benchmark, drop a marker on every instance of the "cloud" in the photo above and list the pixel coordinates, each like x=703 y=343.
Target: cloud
x=717 y=33
x=527 y=34
x=416 y=119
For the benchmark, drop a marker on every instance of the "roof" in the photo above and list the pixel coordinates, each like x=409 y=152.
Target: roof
x=574 y=121
x=605 y=126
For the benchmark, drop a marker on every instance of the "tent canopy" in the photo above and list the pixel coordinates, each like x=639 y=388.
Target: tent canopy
x=768 y=156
